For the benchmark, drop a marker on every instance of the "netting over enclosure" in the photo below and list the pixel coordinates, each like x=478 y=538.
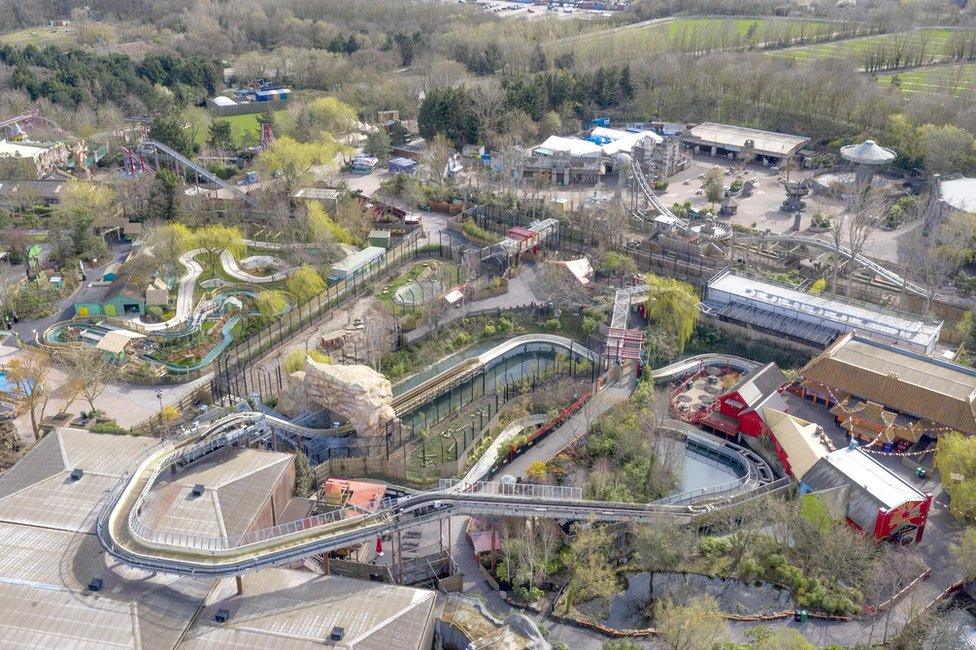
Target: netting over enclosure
x=418 y=292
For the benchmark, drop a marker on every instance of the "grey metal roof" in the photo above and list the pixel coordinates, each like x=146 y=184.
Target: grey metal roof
x=43 y=579
x=238 y=484
x=292 y=609
x=38 y=490
x=760 y=383
x=872 y=485
x=823 y=314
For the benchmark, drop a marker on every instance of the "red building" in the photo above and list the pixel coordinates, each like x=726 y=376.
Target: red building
x=877 y=501
x=739 y=409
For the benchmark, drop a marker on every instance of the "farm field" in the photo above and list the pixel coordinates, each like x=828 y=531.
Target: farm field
x=886 y=51
x=698 y=35
x=40 y=36
x=957 y=79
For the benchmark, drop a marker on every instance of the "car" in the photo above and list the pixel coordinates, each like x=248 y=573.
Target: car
x=687 y=182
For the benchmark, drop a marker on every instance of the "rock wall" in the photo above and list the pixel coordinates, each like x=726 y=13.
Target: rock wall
x=357 y=393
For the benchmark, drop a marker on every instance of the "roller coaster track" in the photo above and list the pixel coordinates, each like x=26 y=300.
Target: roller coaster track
x=126 y=537
x=857 y=258
x=203 y=172
x=722 y=232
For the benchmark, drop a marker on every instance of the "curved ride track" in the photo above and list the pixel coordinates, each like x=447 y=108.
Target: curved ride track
x=184 y=296
x=126 y=537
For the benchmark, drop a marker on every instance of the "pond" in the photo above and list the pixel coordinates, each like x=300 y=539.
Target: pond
x=631 y=609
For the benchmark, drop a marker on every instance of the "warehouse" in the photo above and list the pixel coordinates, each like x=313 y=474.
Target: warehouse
x=812 y=320
x=877 y=502
x=893 y=395
x=768 y=147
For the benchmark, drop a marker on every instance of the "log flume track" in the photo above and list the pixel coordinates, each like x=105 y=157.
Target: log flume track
x=124 y=534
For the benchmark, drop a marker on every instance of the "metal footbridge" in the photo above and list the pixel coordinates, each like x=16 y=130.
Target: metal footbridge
x=125 y=535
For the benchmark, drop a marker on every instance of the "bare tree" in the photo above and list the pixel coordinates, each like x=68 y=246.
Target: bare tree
x=488 y=103
x=29 y=372
x=89 y=370
x=865 y=209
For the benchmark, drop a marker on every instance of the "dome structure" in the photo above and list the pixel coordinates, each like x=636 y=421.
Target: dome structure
x=867 y=157
x=867 y=153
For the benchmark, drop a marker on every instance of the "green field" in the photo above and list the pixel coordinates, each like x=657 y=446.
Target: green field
x=957 y=80
x=242 y=125
x=884 y=51
x=699 y=35
x=42 y=36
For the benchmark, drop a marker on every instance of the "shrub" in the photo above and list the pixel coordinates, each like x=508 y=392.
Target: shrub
x=295 y=359
x=736 y=186
x=713 y=547
x=474 y=231
x=553 y=324
x=109 y=427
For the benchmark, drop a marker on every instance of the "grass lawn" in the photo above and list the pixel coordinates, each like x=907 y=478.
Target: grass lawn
x=956 y=79
x=699 y=34
x=929 y=45
x=40 y=36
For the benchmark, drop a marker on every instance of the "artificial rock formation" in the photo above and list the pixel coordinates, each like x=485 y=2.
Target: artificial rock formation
x=358 y=393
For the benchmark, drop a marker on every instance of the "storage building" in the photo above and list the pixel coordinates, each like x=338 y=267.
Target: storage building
x=770 y=148
x=812 y=320
x=878 y=502
x=355 y=265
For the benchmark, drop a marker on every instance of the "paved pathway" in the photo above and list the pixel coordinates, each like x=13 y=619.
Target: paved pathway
x=574 y=427
x=481 y=467
x=519 y=293
x=233 y=269
x=184 y=295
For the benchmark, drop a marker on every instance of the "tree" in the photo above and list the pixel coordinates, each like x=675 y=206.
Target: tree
x=955 y=458
x=673 y=305
x=169 y=128
x=216 y=238
x=436 y=155
x=81 y=202
x=964 y=551
x=333 y=117
x=448 y=111
x=697 y=626
x=592 y=574
x=323 y=229
x=271 y=303
x=945 y=149
x=89 y=370
x=220 y=135
x=378 y=144
x=291 y=162
x=537 y=472
x=866 y=208
x=662 y=544
x=165 y=242
x=304 y=476
x=29 y=372
x=714 y=185
x=398 y=134
x=305 y=284
x=165 y=195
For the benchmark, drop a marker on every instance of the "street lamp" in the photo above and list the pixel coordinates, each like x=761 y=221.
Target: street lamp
x=159 y=396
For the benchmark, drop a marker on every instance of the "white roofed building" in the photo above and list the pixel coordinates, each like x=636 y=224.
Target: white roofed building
x=813 y=320
x=727 y=140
